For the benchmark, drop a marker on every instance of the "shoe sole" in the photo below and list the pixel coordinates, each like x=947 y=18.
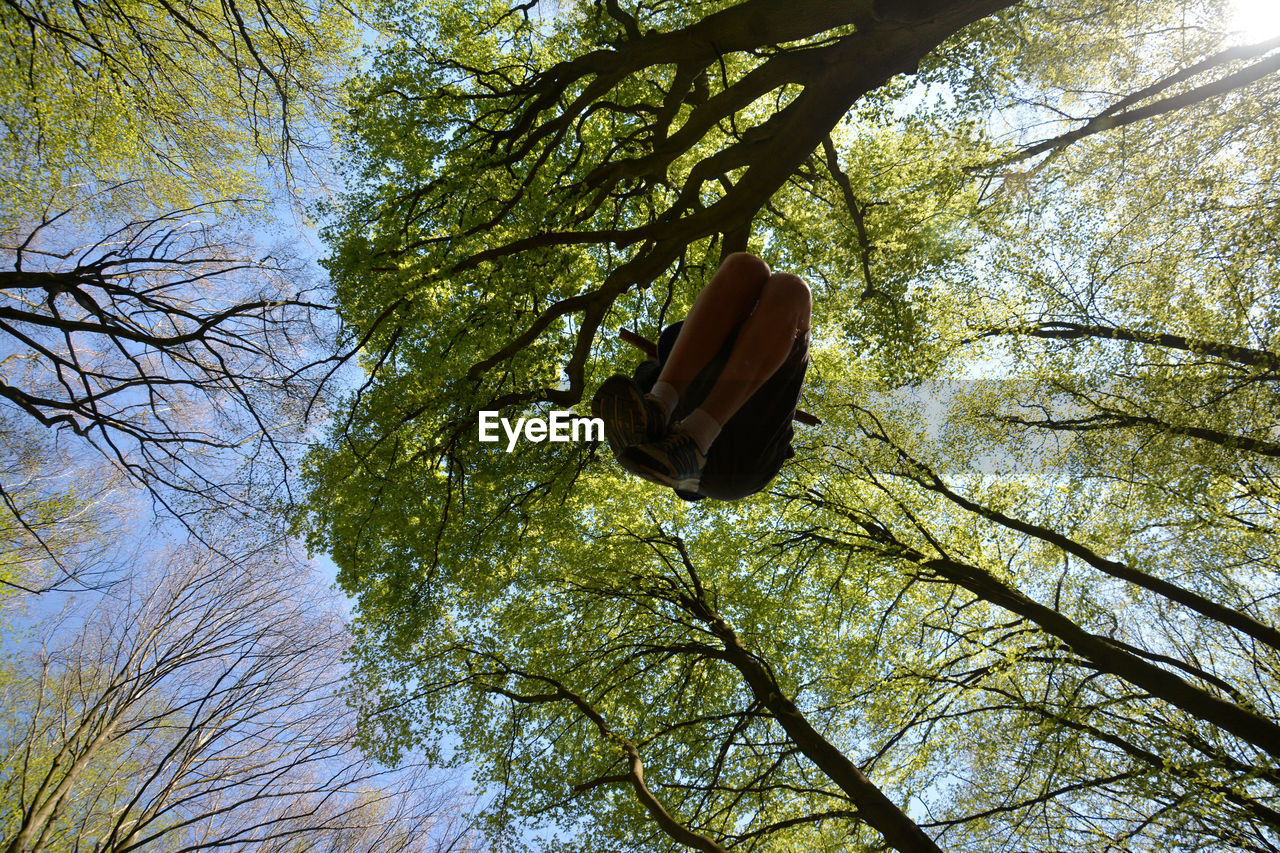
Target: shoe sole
x=640 y=469
x=617 y=400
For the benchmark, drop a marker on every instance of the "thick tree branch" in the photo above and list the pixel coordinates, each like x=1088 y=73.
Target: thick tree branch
x=1122 y=113
x=770 y=153
x=1121 y=420
x=635 y=773
x=1243 y=722
x=874 y=807
x=927 y=477
x=856 y=211
x=1068 y=331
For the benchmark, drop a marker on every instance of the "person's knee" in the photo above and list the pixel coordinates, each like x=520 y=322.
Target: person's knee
x=791 y=287
x=746 y=267
x=789 y=294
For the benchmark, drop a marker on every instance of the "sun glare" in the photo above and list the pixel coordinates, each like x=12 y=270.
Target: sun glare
x=1255 y=20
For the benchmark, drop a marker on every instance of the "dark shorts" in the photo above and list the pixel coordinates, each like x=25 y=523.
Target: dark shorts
x=755 y=442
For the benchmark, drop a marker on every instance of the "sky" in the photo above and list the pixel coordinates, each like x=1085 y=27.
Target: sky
x=1255 y=20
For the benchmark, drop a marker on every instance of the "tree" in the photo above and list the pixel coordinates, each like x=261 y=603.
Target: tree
x=147 y=307
x=198 y=706
x=188 y=98
x=62 y=518
x=1043 y=619
x=174 y=345
x=151 y=311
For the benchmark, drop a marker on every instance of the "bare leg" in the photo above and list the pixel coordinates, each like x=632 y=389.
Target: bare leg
x=766 y=339
x=724 y=304
x=770 y=311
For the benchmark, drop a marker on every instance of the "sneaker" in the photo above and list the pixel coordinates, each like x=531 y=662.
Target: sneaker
x=674 y=461
x=629 y=417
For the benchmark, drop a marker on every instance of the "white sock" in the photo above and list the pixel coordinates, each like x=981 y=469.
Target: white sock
x=664 y=394
x=702 y=427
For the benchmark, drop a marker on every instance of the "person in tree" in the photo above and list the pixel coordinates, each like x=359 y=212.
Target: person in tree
x=712 y=416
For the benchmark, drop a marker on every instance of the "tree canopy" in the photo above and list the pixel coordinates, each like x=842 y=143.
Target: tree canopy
x=172 y=674
x=152 y=303
x=1017 y=591
x=184 y=98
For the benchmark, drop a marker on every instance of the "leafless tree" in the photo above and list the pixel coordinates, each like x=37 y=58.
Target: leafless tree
x=199 y=705
x=60 y=517
x=185 y=352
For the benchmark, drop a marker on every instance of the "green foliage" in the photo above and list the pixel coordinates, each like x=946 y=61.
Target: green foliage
x=1041 y=503
x=152 y=307
x=186 y=99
